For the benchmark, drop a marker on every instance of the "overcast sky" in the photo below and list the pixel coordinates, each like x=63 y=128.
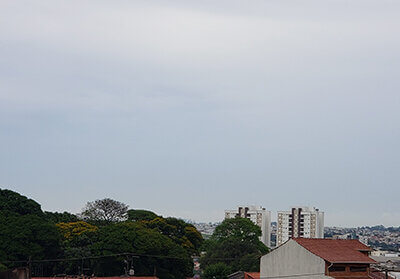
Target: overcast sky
x=189 y=108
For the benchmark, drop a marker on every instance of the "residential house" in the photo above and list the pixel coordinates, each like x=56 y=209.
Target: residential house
x=318 y=259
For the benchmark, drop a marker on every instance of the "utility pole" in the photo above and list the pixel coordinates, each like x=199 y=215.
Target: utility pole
x=30 y=267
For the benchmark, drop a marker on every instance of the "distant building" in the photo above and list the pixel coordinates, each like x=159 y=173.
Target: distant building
x=305 y=222
x=391 y=264
x=363 y=239
x=318 y=259
x=345 y=236
x=258 y=215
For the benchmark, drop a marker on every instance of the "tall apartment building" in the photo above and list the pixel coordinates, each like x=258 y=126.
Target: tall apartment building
x=258 y=215
x=305 y=222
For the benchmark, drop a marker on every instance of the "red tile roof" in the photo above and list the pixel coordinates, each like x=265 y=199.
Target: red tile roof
x=252 y=275
x=337 y=250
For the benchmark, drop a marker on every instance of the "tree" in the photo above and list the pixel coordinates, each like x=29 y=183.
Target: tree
x=72 y=229
x=57 y=217
x=137 y=215
x=16 y=204
x=238 y=228
x=26 y=232
x=106 y=210
x=179 y=231
x=28 y=236
x=217 y=271
x=78 y=239
x=235 y=242
x=155 y=252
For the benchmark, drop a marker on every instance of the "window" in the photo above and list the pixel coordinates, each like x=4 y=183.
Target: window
x=337 y=268
x=358 y=268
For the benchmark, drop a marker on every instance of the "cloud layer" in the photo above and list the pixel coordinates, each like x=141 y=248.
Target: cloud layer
x=193 y=107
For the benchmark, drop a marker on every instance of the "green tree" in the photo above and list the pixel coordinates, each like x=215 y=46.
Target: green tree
x=237 y=228
x=217 y=271
x=57 y=217
x=156 y=252
x=25 y=232
x=236 y=243
x=28 y=236
x=136 y=215
x=78 y=239
x=179 y=231
x=16 y=204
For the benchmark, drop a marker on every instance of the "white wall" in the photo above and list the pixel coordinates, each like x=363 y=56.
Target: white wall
x=291 y=259
x=266 y=228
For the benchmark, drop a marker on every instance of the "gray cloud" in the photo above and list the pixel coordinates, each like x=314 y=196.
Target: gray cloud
x=210 y=104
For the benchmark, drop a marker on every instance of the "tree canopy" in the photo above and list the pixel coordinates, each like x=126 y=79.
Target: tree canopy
x=72 y=229
x=105 y=210
x=57 y=217
x=217 y=271
x=24 y=230
x=179 y=231
x=235 y=243
x=16 y=204
x=136 y=215
x=155 y=251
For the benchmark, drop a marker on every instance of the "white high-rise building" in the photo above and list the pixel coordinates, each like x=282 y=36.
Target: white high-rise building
x=301 y=221
x=258 y=215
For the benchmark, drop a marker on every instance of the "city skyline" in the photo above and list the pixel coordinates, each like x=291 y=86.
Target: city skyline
x=188 y=108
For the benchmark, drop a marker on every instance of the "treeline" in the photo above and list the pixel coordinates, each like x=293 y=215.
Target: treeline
x=106 y=239
x=109 y=239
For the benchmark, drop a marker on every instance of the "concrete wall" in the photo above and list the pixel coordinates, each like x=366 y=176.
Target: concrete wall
x=266 y=228
x=291 y=259
x=320 y=225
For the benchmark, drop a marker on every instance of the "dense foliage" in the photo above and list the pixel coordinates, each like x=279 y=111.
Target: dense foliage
x=146 y=242
x=25 y=236
x=57 y=217
x=217 y=271
x=15 y=204
x=234 y=244
x=136 y=215
x=24 y=230
x=74 y=229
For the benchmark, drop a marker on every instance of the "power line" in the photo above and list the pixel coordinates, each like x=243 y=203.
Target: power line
x=95 y=257
x=109 y=256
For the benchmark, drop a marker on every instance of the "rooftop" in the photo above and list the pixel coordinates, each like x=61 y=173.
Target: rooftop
x=252 y=275
x=337 y=250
